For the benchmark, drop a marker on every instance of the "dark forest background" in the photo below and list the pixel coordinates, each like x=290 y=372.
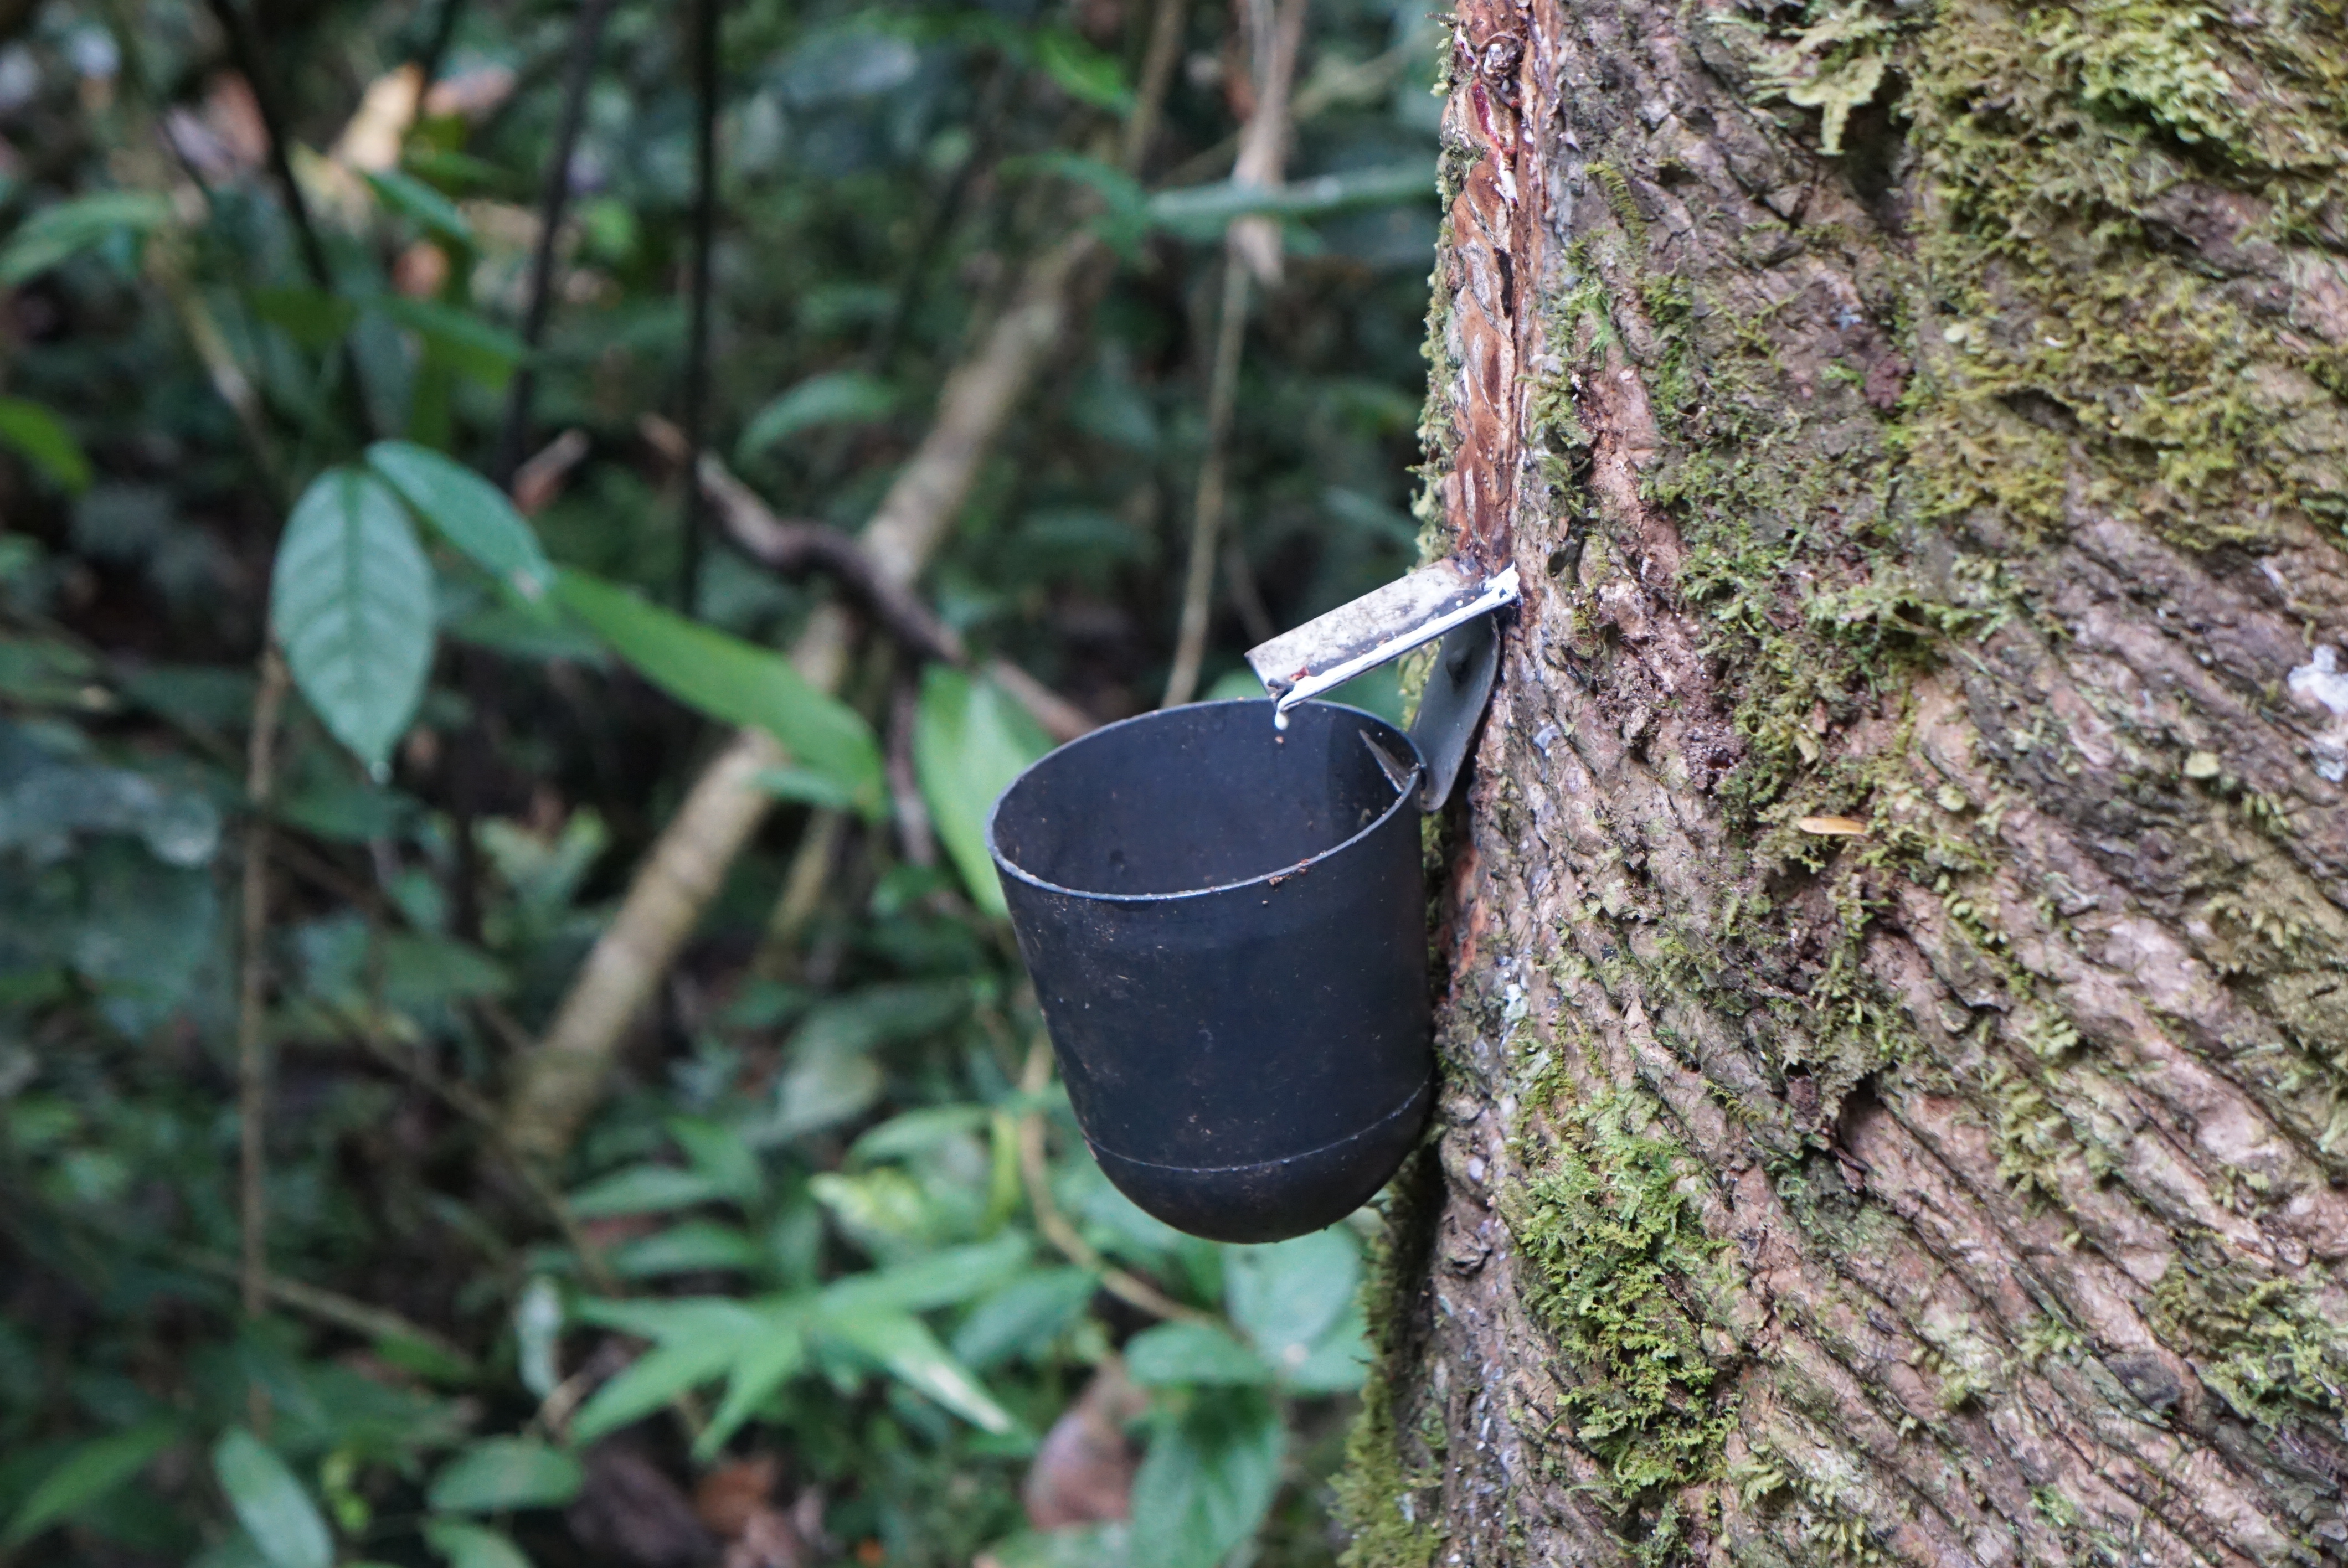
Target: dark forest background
x=361 y=636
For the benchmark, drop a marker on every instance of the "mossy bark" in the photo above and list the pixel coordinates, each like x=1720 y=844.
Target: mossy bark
x=1896 y=1053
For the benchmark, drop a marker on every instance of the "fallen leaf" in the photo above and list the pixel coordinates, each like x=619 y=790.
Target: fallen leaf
x=1833 y=826
x=1084 y=1471
x=730 y=1494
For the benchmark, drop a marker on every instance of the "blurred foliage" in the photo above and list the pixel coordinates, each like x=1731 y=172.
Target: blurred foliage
x=789 y=1300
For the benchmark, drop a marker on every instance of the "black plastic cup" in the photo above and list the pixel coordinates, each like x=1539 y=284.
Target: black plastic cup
x=1226 y=924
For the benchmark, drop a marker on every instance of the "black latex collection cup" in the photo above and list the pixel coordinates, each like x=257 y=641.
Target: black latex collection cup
x=1226 y=926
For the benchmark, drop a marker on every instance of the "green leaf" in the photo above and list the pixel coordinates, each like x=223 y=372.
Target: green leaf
x=1337 y=1363
x=656 y=1378
x=502 y=1473
x=311 y=317
x=1283 y=1297
x=806 y=788
x=85 y=1476
x=916 y=1131
x=1206 y=1483
x=941 y=1279
x=688 y=1248
x=270 y=1503
x=644 y=1190
x=469 y=511
x=1024 y=1315
x=970 y=740
x=904 y=1345
x=473 y=348
x=405 y=194
x=351 y=603
x=471 y=1546
x=718 y=1152
x=758 y=1372
x=834 y=397
x=1176 y=1353
x=34 y=434
x=1083 y=72
x=732 y=681
x=62 y=231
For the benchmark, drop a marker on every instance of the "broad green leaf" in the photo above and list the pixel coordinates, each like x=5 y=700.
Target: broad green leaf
x=501 y=1473
x=1283 y=1297
x=657 y=1378
x=904 y=1345
x=58 y=233
x=834 y=397
x=1174 y=1353
x=941 y=1279
x=1083 y=72
x=690 y=1247
x=351 y=603
x=1207 y=1483
x=477 y=349
x=33 y=433
x=469 y=512
x=471 y=1545
x=405 y=194
x=970 y=740
x=311 y=317
x=644 y=1190
x=735 y=682
x=719 y=1153
x=85 y=1476
x=759 y=1371
x=916 y=1131
x=270 y=1503
x=806 y=788
x=1024 y=1315
x=1337 y=1362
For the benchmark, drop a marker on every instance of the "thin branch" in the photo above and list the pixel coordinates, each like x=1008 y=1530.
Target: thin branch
x=706 y=16
x=915 y=838
x=436 y=48
x=244 y=48
x=1158 y=62
x=253 y=988
x=796 y=547
x=359 y=1317
x=554 y=201
x=1207 y=507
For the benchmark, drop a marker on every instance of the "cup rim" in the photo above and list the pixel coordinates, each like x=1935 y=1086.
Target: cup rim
x=1404 y=799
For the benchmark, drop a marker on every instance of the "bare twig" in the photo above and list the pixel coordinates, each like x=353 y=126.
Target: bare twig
x=914 y=835
x=1251 y=249
x=559 y=1083
x=794 y=548
x=706 y=16
x=1157 y=64
x=538 y=482
x=1206 y=505
x=253 y=988
x=553 y=200
x=359 y=1317
x=1127 y=1287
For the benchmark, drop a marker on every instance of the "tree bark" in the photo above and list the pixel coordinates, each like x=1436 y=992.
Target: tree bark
x=1896 y=1046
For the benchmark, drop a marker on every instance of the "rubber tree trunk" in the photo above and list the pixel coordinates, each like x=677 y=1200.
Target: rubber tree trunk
x=1896 y=1053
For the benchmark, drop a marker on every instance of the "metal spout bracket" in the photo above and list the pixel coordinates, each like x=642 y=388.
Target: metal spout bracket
x=1452 y=600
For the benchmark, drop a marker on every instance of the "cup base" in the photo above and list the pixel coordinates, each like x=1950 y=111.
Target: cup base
x=1275 y=1199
